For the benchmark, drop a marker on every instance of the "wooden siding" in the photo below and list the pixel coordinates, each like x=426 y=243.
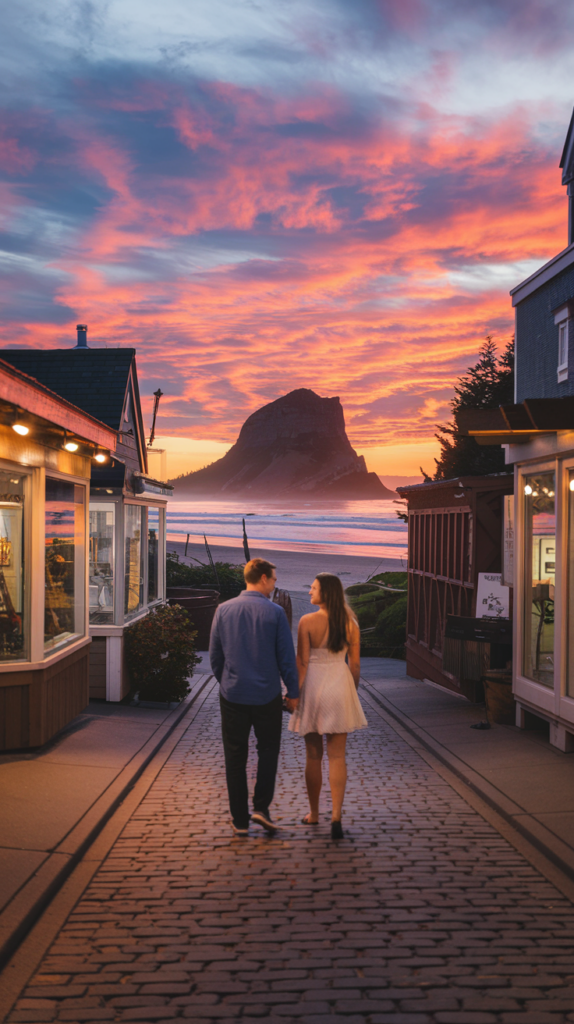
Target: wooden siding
x=35 y=705
x=454 y=532
x=98 y=668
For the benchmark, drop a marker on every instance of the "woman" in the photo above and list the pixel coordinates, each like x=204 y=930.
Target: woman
x=328 y=692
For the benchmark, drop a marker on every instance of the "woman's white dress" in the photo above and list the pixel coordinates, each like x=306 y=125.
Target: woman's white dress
x=329 y=701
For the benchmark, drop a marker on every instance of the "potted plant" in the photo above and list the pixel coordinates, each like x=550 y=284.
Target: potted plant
x=160 y=654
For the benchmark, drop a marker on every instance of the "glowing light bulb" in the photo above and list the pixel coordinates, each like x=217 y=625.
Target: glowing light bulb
x=21 y=429
x=545 y=490
x=535 y=494
x=100 y=457
x=528 y=489
x=71 y=446
x=572 y=484
x=550 y=494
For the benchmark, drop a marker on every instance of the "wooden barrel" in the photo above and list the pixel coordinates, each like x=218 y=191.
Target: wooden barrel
x=498 y=697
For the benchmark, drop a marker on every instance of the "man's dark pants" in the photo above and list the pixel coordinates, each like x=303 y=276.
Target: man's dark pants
x=236 y=723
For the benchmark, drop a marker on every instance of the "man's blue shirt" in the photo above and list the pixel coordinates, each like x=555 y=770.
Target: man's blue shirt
x=251 y=650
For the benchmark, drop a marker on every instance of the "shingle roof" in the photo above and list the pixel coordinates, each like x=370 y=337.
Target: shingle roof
x=94 y=379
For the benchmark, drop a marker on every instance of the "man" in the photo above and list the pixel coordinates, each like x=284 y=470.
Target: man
x=251 y=649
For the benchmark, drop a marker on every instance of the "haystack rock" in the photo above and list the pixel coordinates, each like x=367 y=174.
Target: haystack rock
x=294 y=447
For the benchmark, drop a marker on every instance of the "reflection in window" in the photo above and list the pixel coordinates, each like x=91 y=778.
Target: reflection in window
x=539 y=576
x=11 y=566
x=101 y=588
x=64 y=601
x=153 y=553
x=134 y=570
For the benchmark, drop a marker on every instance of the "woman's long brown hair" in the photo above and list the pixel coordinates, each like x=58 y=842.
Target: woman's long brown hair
x=333 y=597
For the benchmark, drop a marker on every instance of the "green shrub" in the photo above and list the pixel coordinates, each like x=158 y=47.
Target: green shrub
x=160 y=654
x=382 y=614
x=229 y=582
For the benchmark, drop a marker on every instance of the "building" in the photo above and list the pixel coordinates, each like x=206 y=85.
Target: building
x=47 y=449
x=455 y=544
x=538 y=432
x=126 y=527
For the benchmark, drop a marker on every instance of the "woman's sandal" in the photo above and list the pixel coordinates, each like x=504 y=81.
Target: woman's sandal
x=305 y=820
x=336 y=830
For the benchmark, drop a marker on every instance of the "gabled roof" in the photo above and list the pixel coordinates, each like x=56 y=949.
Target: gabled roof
x=96 y=379
x=567 y=158
x=19 y=391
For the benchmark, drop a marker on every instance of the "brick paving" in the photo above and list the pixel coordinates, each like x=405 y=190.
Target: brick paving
x=424 y=914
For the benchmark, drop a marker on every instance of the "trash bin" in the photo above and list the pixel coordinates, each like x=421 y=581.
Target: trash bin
x=201 y=605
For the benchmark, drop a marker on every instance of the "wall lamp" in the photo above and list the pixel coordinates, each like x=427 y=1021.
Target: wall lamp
x=21 y=429
x=100 y=457
x=70 y=446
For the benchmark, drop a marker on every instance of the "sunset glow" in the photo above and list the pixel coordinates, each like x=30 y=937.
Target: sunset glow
x=265 y=197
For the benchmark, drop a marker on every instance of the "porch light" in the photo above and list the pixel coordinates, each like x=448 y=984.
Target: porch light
x=21 y=429
x=71 y=446
x=100 y=457
x=528 y=489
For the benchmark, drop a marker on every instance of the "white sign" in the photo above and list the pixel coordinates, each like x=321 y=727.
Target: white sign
x=492 y=597
x=508 y=542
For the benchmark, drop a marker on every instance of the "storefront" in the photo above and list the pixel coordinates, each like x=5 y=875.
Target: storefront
x=127 y=575
x=126 y=522
x=544 y=583
x=47 y=447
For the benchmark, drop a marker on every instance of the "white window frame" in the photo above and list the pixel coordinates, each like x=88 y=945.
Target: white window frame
x=562 y=320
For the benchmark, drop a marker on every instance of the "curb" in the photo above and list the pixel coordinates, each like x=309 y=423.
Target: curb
x=542 y=838
x=31 y=900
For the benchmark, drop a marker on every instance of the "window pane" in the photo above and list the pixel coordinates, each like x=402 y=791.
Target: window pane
x=64 y=602
x=134 y=574
x=12 y=623
x=153 y=554
x=101 y=589
x=539 y=576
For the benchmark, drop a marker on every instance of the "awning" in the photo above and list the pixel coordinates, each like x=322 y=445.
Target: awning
x=517 y=424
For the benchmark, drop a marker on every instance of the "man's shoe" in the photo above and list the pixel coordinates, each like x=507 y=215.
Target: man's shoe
x=263 y=818
x=239 y=831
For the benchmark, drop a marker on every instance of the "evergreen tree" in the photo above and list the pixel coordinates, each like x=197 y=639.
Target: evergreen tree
x=487 y=385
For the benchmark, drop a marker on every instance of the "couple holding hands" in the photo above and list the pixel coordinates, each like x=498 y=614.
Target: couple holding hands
x=251 y=650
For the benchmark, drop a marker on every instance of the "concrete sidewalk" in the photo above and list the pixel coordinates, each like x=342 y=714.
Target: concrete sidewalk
x=54 y=801
x=516 y=771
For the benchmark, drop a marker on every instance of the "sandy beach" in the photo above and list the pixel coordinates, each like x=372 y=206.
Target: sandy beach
x=296 y=569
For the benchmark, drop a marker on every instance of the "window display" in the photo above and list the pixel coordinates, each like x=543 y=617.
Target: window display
x=153 y=538
x=539 y=577
x=12 y=623
x=134 y=596
x=102 y=547
x=65 y=579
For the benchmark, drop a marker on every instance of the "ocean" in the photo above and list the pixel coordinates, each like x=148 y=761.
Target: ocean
x=365 y=528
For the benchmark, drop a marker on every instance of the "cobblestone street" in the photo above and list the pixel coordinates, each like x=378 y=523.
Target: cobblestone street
x=423 y=913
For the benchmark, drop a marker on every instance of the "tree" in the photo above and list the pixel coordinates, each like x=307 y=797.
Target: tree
x=487 y=385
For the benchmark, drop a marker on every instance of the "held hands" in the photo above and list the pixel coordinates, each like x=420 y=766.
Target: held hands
x=291 y=703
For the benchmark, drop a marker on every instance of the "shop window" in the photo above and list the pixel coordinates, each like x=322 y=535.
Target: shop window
x=133 y=594
x=13 y=628
x=153 y=539
x=64 y=595
x=539 y=577
x=101 y=587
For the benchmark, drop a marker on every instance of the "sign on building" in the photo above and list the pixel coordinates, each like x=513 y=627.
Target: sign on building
x=492 y=597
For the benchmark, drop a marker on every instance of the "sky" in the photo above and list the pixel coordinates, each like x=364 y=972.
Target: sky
x=267 y=195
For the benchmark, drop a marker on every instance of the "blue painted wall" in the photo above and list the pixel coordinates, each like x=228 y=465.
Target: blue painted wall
x=537 y=341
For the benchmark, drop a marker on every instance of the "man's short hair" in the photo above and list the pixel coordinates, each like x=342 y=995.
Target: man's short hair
x=257 y=568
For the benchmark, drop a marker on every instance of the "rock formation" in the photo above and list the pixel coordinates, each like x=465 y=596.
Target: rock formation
x=294 y=447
